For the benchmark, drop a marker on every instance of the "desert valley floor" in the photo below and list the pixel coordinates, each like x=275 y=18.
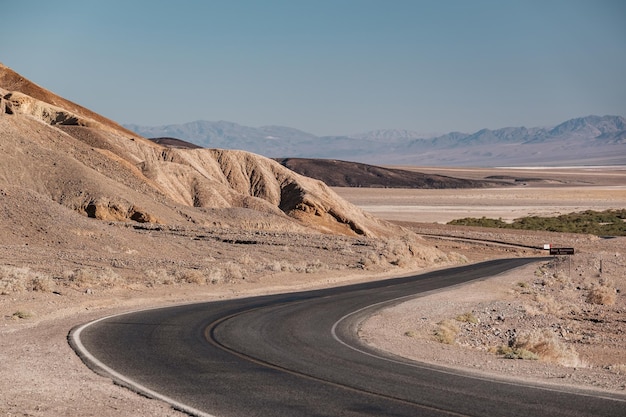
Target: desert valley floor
x=42 y=376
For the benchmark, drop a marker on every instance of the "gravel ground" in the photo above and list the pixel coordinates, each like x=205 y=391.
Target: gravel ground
x=566 y=312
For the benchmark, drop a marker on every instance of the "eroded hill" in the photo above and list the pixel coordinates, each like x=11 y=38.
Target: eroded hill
x=93 y=166
x=75 y=182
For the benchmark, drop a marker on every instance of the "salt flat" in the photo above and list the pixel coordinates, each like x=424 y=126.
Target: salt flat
x=550 y=192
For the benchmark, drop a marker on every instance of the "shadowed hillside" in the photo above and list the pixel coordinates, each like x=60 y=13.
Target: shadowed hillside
x=353 y=174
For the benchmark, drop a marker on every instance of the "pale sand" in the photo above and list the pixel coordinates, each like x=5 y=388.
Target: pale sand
x=442 y=206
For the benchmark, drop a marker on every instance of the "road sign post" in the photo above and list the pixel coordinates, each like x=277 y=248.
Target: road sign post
x=561 y=251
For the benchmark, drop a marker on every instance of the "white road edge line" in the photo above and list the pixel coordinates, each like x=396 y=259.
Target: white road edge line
x=78 y=345
x=450 y=371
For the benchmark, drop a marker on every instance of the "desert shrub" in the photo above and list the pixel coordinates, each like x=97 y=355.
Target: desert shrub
x=369 y=259
x=410 y=333
x=516 y=353
x=401 y=251
x=215 y=276
x=547 y=346
x=548 y=304
x=12 y=279
x=108 y=278
x=467 y=318
x=233 y=272
x=316 y=266
x=481 y=222
x=18 y=279
x=190 y=276
x=159 y=276
x=601 y=295
x=20 y=314
x=41 y=283
x=605 y=223
x=275 y=266
x=87 y=277
x=446 y=331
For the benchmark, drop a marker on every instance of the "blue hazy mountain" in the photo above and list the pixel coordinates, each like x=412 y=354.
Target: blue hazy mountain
x=590 y=140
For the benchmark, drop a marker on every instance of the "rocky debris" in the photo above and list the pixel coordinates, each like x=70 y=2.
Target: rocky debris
x=542 y=313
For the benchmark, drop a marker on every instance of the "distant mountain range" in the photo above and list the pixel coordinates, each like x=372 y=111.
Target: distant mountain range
x=590 y=140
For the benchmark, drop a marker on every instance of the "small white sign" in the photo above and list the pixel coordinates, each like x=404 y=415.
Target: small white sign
x=547 y=246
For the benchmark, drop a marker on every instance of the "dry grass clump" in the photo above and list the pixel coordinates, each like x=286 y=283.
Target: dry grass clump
x=601 y=294
x=158 y=276
x=20 y=279
x=224 y=273
x=301 y=268
x=545 y=345
x=547 y=304
x=446 y=331
x=403 y=251
x=516 y=353
x=190 y=276
x=21 y=314
x=467 y=318
x=94 y=277
x=227 y=272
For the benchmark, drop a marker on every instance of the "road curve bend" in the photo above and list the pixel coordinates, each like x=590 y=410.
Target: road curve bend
x=298 y=354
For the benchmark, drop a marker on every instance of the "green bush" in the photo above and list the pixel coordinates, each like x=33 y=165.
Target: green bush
x=604 y=223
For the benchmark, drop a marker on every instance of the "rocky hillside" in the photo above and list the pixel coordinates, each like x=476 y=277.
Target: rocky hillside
x=68 y=155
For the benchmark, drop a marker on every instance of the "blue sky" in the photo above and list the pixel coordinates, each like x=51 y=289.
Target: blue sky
x=326 y=67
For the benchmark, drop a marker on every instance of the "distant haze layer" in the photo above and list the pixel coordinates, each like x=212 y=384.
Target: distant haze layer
x=590 y=140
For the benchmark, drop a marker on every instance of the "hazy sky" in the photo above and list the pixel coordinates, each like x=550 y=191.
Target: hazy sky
x=326 y=67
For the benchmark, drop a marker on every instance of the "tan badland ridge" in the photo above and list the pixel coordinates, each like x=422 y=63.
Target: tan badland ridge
x=65 y=155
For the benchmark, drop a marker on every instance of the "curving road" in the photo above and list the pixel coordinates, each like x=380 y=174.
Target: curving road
x=298 y=354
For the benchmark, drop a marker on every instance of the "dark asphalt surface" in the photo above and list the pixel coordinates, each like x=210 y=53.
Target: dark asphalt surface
x=298 y=355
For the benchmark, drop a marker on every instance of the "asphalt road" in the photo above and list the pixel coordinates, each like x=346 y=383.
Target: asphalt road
x=298 y=355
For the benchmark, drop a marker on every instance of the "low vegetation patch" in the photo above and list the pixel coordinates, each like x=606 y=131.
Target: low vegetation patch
x=446 y=331
x=600 y=223
x=540 y=345
x=467 y=318
x=19 y=279
x=516 y=353
x=601 y=295
x=21 y=315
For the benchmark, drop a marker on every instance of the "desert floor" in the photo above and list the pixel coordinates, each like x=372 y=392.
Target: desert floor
x=41 y=375
x=538 y=191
